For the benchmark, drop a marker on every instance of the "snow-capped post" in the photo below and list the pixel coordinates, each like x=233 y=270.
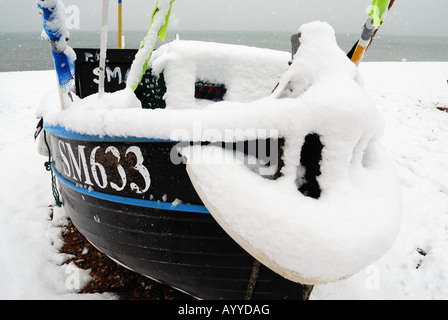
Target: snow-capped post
x=56 y=32
x=159 y=25
x=376 y=15
x=103 y=48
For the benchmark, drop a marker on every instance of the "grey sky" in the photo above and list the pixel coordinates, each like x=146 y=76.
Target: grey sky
x=408 y=17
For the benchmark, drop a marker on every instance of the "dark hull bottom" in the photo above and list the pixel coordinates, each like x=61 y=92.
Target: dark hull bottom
x=187 y=251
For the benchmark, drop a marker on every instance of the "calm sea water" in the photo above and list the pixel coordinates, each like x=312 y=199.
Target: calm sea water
x=27 y=52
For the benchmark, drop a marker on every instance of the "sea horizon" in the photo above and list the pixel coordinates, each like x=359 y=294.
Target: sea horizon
x=26 y=51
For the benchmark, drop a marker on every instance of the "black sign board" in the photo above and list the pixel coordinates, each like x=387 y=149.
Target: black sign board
x=151 y=89
x=118 y=64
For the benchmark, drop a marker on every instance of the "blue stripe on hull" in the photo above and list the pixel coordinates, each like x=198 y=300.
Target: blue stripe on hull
x=132 y=201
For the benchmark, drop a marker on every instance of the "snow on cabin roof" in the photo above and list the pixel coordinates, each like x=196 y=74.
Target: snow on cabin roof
x=248 y=73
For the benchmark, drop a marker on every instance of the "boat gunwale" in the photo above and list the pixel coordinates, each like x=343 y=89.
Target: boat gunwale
x=61 y=132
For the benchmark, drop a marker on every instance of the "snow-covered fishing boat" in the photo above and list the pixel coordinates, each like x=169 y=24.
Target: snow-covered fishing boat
x=294 y=178
x=133 y=200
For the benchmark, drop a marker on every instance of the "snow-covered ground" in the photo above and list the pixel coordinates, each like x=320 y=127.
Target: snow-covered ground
x=416 y=138
x=30 y=263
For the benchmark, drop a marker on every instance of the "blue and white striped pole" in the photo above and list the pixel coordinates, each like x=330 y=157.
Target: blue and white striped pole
x=56 y=32
x=54 y=19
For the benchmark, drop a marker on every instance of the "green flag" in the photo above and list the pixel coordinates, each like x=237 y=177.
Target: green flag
x=377 y=10
x=164 y=28
x=161 y=33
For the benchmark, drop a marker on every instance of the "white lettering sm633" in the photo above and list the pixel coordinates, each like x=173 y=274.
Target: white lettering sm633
x=83 y=169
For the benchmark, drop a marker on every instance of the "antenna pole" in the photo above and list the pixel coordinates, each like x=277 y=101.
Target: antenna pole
x=103 y=49
x=120 y=24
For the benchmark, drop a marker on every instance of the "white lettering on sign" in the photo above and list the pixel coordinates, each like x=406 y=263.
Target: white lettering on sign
x=78 y=168
x=110 y=74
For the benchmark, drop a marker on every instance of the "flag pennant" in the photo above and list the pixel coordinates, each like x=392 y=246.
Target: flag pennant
x=144 y=47
x=164 y=28
x=377 y=10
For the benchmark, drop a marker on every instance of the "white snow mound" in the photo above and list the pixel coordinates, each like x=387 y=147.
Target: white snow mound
x=355 y=220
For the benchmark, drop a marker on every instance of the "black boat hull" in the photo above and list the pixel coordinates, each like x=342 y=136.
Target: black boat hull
x=179 y=245
x=187 y=251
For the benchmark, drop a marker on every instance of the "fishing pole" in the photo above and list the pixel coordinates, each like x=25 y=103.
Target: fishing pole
x=56 y=32
x=377 y=13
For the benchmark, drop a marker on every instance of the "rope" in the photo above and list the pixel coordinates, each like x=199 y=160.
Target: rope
x=307 y=292
x=49 y=168
x=253 y=280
